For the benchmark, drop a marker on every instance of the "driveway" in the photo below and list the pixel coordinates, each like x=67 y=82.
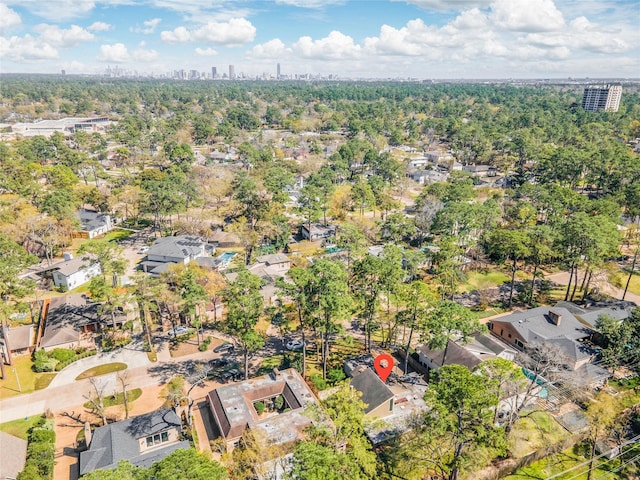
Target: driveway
x=133 y=355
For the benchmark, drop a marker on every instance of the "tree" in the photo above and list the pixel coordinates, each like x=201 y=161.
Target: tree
x=448 y=319
x=511 y=245
x=314 y=461
x=616 y=339
x=346 y=411
x=368 y=274
x=510 y=382
x=418 y=298
x=108 y=255
x=95 y=398
x=123 y=380
x=461 y=414
x=327 y=300
x=244 y=306
x=124 y=471
x=601 y=413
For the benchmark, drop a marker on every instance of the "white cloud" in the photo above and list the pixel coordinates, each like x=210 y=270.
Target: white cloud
x=57 y=10
x=526 y=15
x=272 y=49
x=25 y=49
x=148 y=26
x=65 y=38
x=116 y=53
x=177 y=35
x=99 y=27
x=8 y=18
x=447 y=5
x=235 y=32
x=335 y=46
x=205 y=52
x=144 y=55
x=310 y=3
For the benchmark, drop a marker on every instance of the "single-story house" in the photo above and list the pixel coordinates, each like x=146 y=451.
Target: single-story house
x=73 y=272
x=379 y=398
x=20 y=339
x=13 y=456
x=481 y=170
x=275 y=264
x=94 y=223
x=281 y=398
x=141 y=440
x=427 y=177
x=547 y=325
x=438 y=157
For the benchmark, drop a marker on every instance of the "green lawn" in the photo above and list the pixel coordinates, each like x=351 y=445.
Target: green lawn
x=533 y=432
x=20 y=428
x=102 y=370
x=118 y=399
x=481 y=281
x=117 y=234
x=29 y=380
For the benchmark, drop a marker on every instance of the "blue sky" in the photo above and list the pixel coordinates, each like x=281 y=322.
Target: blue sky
x=348 y=38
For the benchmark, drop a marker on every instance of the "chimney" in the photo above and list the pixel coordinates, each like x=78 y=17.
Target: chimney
x=555 y=317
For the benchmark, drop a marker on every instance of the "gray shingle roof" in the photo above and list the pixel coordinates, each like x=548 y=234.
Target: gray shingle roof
x=536 y=324
x=119 y=441
x=182 y=246
x=13 y=454
x=374 y=391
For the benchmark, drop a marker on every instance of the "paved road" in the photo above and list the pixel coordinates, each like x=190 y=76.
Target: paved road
x=562 y=278
x=69 y=392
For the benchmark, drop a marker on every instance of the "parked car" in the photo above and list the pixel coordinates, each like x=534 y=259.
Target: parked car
x=231 y=375
x=224 y=347
x=179 y=330
x=219 y=362
x=143 y=250
x=294 y=345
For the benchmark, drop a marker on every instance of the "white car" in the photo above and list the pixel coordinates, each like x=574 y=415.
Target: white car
x=294 y=345
x=179 y=330
x=143 y=250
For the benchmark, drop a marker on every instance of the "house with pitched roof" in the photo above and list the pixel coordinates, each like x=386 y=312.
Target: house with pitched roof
x=13 y=456
x=378 y=398
x=142 y=441
x=94 y=223
x=169 y=250
x=547 y=325
x=73 y=272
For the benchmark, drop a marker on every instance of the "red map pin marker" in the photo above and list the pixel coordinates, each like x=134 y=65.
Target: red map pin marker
x=383 y=364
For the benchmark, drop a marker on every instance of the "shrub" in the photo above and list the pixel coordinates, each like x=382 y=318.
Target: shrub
x=42 y=362
x=278 y=403
x=62 y=354
x=318 y=382
x=202 y=347
x=40 y=452
x=336 y=375
x=259 y=406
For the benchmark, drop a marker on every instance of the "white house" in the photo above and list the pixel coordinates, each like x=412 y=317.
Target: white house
x=73 y=272
x=94 y=223
x=179 y=249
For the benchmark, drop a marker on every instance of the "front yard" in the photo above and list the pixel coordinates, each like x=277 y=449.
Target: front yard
x=21 y=372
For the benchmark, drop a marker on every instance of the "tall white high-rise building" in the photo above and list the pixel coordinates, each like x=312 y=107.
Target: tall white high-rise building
x=278 y=71
x=602 y=97
x=232 y=72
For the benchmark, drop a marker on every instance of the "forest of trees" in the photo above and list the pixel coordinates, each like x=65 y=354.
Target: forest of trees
x=570 y=202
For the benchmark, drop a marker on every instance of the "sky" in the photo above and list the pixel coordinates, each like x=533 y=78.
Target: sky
x=425 y=39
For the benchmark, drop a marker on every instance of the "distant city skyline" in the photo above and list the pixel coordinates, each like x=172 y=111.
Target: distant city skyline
x=348 y=39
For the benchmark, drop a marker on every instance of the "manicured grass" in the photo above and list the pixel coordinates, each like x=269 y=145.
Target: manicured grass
x=102 y=370
x=118 y=399
x=533 y=432
x=29 y=380
x=20 y=428
x=481 y=281
x=269 y=363
x=115 y=235
x=490 y=312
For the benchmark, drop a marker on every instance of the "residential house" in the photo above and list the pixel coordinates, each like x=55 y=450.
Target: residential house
x=547 y=325
x=20 y=340
x=589 y=314
x=427 y=177
x=438 y=156
x=275 y=264
x=481 y=347
x=378 y=398
x=73 y=272
x=13 y=456
x=317 y=232
x=285 y=396
x=141 y=440
x=94 y=223
x=70 y=321
x=172 y=250
x=481 y=171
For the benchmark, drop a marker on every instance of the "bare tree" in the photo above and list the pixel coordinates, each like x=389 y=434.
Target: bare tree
x=95 y=397
x=123 y=378
x=196 y=379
